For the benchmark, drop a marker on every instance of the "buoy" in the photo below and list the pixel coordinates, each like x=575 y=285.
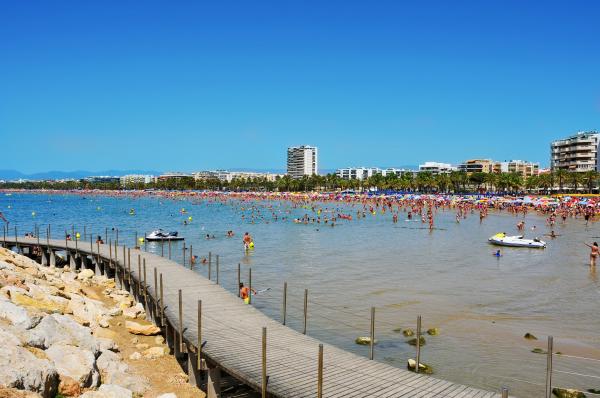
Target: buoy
x=77 y=236
x=33 y=214
x=141 y=240
x=190 y=218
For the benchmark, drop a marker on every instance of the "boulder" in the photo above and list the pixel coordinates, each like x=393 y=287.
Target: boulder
x=57 y=328
x=137 y=311
x=14 y=393
x=159 y=340
x=87 y=309
x=115 y=391
x=364 y=340
x=423 y=368
x=74 y=362
x=408 y=332
x=567 y=393
x=109 y=364
x=138 y=328
x=433 y=331
x=529 y=336
x=137 y=384
x=414 y=341
x=47 y=304
x=20 y=369
x=15 y=314
x=85 y=274
x=155 y=352
x=107 y=344
x=69 y=387
x=7 y=338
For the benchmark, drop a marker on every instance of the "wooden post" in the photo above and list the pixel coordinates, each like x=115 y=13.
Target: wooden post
x=264 y=363
x=180 y=322
x=504 y=392
x=418 y=344
x=217 y=269
x=209 y=259
x=136 y=240
x=129 y=268
x=169 y=249
x=49 y=237
x=162 y=303
x=239 y=281
x=139 y=284
x=284 y=303
x=209 y=267
x=106 y=234
x=84 y=231
x=183 y=262
x=162 y=248
x=199 y=343
x=249 y=285
x=109 y=254
x=320 y=373
x=191 y=257
x=155 y=281
x=145 y=245
x=117 y=237
x=549 y=367
x=372 y=342
x=145 y=285
x=305 y=310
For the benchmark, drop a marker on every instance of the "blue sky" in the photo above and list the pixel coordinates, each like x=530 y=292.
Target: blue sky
x=193 y=85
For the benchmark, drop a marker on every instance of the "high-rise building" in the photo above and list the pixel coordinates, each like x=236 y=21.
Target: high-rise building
x=302 y=161
x=578 y=152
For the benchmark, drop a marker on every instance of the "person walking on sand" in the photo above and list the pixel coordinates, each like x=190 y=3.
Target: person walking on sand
x=594 y=253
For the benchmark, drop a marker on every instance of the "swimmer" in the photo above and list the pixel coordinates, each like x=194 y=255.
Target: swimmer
x=497 y=253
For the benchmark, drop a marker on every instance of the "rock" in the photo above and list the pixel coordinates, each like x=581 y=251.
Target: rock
x=423 y=368
x=137 y=384
x=15 y=314
x=142 y=346
x=397 y=330
x=107 y=344
x=159 y=340
x=115 y=391
x=69 y=387
x=138 y=328
x=422 y=341
x=105 y=334
x=20 y=369
x=433 y=331
x=529 y=336
x=364 y=340
x=408 y=332
x=114 y=311
x=109 y=363
x=43 y=304
x=154 y=353
x=103 y=323
x=7 y=338
x=75 y=362
x=539 y=351
x=87 y=309
x=167 y=395
x=594 y=390
x=14 y=393
x=57 y=328
x=137 y=311
x=135 y=356
x=567 y=393
x=85 y=274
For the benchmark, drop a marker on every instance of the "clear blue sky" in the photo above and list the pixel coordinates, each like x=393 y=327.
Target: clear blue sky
x=191 y=85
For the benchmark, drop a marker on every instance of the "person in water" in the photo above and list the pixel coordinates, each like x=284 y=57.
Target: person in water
x=497 y=253
x=594 y=253
x=247 y=240
x=99 y=240
x=245 y=292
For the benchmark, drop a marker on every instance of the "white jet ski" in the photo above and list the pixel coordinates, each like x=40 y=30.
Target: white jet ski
x=502 y=239
x=160 y=235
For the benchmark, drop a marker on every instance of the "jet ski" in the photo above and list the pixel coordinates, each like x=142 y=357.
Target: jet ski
x=502 y=239
x=160 y=235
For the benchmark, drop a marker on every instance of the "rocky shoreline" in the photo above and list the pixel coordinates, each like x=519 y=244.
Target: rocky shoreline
x=72 y=334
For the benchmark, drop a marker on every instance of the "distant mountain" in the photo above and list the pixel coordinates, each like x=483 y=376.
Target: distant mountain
x=77 y=174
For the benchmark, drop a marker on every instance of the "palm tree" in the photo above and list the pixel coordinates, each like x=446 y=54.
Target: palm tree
x=590 y=179
x=575 y=178
x=561 y=175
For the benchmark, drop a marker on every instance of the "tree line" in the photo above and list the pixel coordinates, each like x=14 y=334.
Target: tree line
x=424 y=182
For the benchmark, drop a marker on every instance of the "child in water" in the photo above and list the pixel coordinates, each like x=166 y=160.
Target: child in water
x=497 y=253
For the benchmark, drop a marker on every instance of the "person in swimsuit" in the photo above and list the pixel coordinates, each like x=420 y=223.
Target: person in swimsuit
x=247 y=239
x=594 y=253
x=245 y=292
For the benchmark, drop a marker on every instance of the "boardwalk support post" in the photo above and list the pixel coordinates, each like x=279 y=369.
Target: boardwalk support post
x=320 y=373
x=305 y=310
x=372 y=342
x=180 y=323
x=418 y=344
x=217 y=269
x=249 y=285
x=549 y=367
x=191 y=258
x=199 y=343
x=169 y=249
x=239 y=281
x=183 y=255
x=284 y=304
x=504 y=392
x=264 y=362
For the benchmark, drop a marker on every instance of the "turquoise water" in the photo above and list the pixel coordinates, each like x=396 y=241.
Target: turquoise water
x=482 y=305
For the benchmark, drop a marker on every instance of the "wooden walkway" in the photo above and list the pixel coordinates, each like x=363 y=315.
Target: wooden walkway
x=233 y=335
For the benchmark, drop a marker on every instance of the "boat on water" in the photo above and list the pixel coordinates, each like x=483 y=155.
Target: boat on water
x=160 y=235
x=501 y=239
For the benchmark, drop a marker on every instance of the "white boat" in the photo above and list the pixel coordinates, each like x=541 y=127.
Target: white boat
x=160 y=235
x=502 y=239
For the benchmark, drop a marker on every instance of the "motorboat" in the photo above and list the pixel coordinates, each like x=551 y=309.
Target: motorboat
x=160 y=235
x=502 y=239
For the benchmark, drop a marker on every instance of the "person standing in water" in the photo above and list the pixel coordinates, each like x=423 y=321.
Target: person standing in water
x=594 y=253
x=245 y=293
x=247 y=240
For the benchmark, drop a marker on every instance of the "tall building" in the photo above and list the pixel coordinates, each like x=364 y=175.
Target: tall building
x=525 y=169
x=302 y=161
x=578 y=152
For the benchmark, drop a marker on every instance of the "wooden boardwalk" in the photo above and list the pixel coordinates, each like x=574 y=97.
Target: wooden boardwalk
x=233 y=335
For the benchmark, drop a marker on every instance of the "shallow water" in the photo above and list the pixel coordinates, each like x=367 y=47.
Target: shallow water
x=482 y=305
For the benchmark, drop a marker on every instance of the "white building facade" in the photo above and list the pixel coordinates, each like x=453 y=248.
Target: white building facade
x=437 y=167
x=302 y=161
x=578 y=152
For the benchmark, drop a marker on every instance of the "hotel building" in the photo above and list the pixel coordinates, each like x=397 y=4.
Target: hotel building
x=578 y=152
x=302 y=161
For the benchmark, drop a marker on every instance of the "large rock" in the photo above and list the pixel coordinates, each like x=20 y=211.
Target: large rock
x=138 y=328
x=138 y=384
x=7 y=338
x=137 y=311
x=567 y=393
x=85 y=274
x=110 y=365
x=74 y=362
x=109 y=391
x=89 y=310
x=20 y=369
x=57 y=328
x=69 y=387
x=49 y=304
x=155 y=352
x=15 y=314
x=14 y=393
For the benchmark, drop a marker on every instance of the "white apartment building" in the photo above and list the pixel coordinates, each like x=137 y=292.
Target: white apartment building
x=228 y=176
x=437 y=167
x=302 y=161
x=578 y=152
x=357 y=173
x=525 y=169
x=130 y=179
